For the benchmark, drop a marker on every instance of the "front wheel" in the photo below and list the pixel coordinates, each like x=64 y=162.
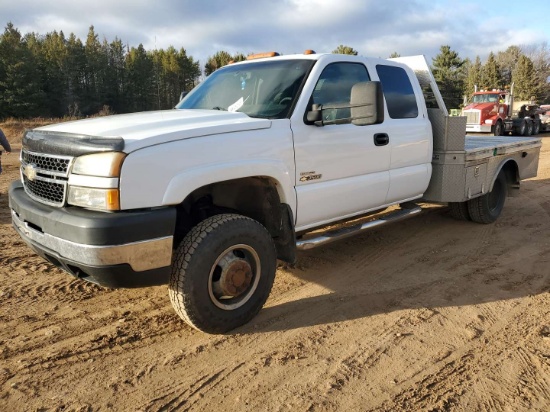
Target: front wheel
x=487 y=208
x=222 y=273
x=499 y=128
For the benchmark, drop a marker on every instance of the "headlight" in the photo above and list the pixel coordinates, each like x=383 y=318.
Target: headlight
x=99 y=164
x=102 y=199
x=94 y=181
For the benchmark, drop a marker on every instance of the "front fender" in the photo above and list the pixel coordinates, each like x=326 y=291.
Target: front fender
x=165 y=174
x=190 y=180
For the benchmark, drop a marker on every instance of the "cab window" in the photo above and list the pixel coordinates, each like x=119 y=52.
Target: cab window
x=334 y=87
x=398 y=91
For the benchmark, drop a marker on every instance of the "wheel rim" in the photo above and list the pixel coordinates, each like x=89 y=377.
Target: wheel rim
x=234 y=277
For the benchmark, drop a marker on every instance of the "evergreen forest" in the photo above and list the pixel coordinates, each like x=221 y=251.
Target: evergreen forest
x=56 y=76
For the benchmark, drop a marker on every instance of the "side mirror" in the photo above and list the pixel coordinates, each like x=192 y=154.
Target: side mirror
x=367 y=103
x=315 y=114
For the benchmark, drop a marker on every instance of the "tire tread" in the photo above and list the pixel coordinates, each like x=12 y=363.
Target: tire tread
x=182 y=259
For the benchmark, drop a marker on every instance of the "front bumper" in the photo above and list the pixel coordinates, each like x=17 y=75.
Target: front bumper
x=125 y=249
x=478 y=128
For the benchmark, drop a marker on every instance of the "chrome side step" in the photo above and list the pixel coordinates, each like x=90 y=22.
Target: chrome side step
x=407 y=210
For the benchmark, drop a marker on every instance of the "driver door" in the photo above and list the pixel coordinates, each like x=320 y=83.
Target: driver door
x=341 y=169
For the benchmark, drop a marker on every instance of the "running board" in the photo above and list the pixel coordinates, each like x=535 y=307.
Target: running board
x=408 y=210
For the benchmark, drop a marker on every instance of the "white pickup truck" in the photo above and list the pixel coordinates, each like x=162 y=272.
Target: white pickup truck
x=207 y=197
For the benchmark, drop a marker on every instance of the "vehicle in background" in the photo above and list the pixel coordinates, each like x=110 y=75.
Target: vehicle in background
x=496 y=111
x=544 y=115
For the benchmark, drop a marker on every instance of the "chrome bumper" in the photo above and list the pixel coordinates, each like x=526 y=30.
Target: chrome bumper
x=141 y=256
x=478 y=128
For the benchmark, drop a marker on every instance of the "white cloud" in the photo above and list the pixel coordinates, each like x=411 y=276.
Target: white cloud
x=289 y=26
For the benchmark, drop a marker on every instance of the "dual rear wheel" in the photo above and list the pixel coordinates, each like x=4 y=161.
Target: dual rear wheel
x=483 y=209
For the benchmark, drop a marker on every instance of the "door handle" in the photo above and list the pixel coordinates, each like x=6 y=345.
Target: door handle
x=381 y=139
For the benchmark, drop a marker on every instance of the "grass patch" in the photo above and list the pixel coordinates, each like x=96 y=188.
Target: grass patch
x=15 y=128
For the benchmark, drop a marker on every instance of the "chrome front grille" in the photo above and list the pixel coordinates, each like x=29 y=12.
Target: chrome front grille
x=48 y=163
x=472 y=117
x=47 y=191
x=45 y=177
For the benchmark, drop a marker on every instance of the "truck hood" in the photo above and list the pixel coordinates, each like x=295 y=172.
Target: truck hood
x=144 y=129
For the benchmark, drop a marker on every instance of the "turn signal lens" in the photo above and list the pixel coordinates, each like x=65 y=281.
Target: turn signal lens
x=92 y=198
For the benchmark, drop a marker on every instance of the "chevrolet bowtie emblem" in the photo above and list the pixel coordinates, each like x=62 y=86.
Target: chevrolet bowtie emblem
x=30 y=171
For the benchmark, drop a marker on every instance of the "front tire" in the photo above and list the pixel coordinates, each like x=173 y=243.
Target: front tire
x=487 y=208
x=499 y=128
x=222 y=273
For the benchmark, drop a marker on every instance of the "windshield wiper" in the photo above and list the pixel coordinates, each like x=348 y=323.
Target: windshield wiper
x=219 y=108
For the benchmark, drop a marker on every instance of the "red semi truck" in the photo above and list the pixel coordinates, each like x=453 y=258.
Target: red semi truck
x=496 y=112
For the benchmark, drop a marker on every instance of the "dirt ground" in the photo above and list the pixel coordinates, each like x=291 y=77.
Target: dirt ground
x=430 y=314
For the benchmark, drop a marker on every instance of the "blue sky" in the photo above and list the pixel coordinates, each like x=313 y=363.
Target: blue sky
x=373 y=27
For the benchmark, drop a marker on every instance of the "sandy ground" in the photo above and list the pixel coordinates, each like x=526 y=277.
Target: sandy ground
x=431 y=314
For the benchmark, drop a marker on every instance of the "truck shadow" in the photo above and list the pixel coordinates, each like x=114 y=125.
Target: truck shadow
x=430 y=261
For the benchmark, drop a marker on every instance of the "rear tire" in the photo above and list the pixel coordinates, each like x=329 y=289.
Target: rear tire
x=529 y=130
x=459 y=210
x=522 y=129
x=487 y=208
x=536 y=127
x=222 y=273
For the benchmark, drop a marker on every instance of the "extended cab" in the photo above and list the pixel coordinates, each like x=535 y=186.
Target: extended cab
x=207 y=197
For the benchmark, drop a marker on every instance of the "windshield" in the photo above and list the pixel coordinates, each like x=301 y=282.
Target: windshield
x=260 y=89
x=485 y=98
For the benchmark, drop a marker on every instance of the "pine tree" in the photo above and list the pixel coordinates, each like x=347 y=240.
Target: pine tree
x=219 y=59
x=76 y=75
x=449 y=76
x=114 y=81
x=507 y=62
x=540 y=56
x=342 y=49
x=95 y=73
x=140 y=92
x=525 y=84
x=474 y=76
x=20 y=78
x=53 y=54
x=490 y=75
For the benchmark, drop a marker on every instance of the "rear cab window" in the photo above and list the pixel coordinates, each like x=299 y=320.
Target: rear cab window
x=398 y=91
